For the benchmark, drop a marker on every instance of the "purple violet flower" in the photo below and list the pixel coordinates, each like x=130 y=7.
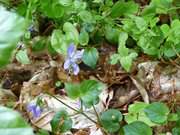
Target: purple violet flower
x=34 y=109
x=73 y=56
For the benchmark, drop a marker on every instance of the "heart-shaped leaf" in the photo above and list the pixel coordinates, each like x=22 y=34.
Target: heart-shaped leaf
x=110 y=120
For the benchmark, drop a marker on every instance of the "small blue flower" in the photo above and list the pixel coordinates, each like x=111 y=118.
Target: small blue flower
x=34 y=109
x=73 y=56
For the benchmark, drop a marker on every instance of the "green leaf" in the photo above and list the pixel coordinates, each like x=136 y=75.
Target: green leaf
x=137 y=107
x=13 y=123
x=61 y=122
x=88 y=91
x=126 y=63
x=123 y=8
x=173 y=117
x=137 y=128
x=136 y=113
x=66 y=2
x=12 y=28
x=114 y=59
x=176 y=131
x=72 y=35
x=73 y=90
x=51 y=9
x=58 y=42
x=122 y=50
x=39 y=43
x=22 y=57
x=112 y=34
x=110 y=120
x=83 y=38
x=165 y=29
x=90 y=57
x=86 y=16
x=152 y=111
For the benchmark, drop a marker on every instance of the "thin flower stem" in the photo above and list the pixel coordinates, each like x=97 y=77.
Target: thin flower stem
x=97 y=115
x=73 y=109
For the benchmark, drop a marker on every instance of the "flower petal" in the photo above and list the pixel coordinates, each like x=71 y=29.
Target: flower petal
x=75 y=68
x=78 y=55
x=37 y=112
x=71 y=50
x=67 y=64
x=31 y=106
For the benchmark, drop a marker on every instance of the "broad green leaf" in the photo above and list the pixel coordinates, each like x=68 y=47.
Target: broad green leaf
x=22 y=57
x=136 y=113
x=90 y=57
x=126 y=63
x=173 y=117
x=61 y=122
x=58 y=42
x=39 y=43
x=110 y=120
x=123 y=36
x=12 y=123
x=90 y=90
x=124 y=8
x=176 y=131
x=66 y=2
x=157 y=6
x=73 y=90
x=137 y=107
x=83 y=38
x=12 y=27
x=122 y=50
x=52 y=8
x=72 y=35
x=157 y=112
x=115 y=58
x=137 y=128
x=86 y=16
x=112 y=34
x=165 y=29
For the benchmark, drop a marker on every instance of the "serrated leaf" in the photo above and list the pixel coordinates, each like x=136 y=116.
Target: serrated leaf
x=90 y=57
x=12 y=28
x=110 y=120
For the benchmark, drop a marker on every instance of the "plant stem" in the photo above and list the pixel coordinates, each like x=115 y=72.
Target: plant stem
x=97 y=115
x=73 y=109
